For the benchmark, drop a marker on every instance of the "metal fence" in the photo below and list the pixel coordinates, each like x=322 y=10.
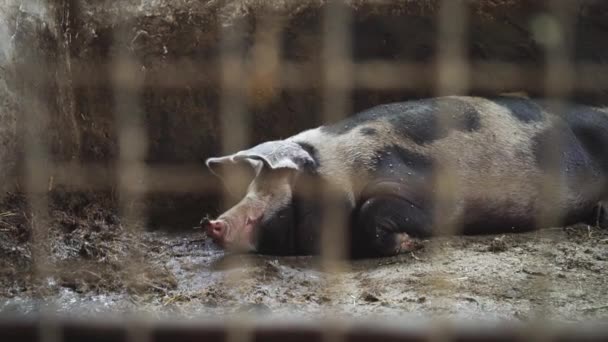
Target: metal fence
x=452 y=73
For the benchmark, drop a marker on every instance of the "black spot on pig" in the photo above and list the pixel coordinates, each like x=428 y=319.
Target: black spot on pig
x=417 y=120
x=480 y=215
x=397 y=158
x=295 y=228
x=524 y=110
x=590 y=127
x=433 y=119
x=544 y=146
x=381 y=218
x=314 y=154
x=402 y=173
x=483 y=217
x=559 y=150
x=276 y=234
x=352 y=122
x=368 y=131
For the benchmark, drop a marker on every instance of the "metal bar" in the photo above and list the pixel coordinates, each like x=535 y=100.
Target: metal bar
x=75 y=331
x=452 y=79
x=132 y=137
x=265 y=80
x=554 y=30
x=235 y=123
x=132 y=144
x=336 y=87
x=36 y=122
x=379 y=74
x=336 y=105
x=161 y=177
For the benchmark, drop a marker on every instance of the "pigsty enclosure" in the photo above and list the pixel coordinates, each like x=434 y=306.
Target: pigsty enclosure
x=108 y=107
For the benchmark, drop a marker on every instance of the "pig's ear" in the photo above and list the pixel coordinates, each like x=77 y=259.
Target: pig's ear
x=235 y=174
x=280 y=154
x=220 y=165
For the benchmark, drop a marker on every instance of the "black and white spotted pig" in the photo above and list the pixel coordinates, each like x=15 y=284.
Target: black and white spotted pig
x=384 y=162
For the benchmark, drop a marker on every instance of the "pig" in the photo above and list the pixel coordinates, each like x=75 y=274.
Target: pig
x=388 y=166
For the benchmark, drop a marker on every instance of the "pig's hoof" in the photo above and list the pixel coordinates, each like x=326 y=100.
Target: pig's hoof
x=602 y=216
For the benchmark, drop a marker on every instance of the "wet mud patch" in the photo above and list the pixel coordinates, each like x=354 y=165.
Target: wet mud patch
x=86 y=249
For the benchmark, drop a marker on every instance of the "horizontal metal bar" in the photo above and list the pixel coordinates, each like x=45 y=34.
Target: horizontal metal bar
x=169 y=178
x=28 y=330
x=377 y=74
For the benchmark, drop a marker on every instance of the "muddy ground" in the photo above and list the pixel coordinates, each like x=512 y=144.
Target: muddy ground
x=98 y=265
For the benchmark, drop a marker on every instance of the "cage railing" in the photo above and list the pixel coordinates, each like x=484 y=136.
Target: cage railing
x=491 y=76
x=336 y=75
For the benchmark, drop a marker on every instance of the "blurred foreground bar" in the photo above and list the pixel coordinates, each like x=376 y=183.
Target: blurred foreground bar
x=72 y=331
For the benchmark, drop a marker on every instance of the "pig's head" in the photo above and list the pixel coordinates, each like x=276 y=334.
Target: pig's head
x=264 y=178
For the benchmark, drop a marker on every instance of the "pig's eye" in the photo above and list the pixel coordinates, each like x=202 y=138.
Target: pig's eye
x=278 y=174
x=250 y=220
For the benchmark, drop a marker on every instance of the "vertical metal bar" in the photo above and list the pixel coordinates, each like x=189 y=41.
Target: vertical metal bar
x=554 y=30
x=36 y=79
x=452 y=62
x=132 y=137
x=453 y=79
x=127 y=82
x=266 y=57
x=36 y=159
x=337 y=84
x=336 y=105
x=235 y=123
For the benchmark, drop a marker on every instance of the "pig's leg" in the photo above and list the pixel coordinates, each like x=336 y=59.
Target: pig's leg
x=599 y=216
x=601 y=211
x=387 y=223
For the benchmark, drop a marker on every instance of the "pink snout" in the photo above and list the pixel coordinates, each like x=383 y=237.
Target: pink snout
x=216 y=229
x=227 y=237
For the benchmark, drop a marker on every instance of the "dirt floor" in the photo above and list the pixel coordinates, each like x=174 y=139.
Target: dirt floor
x=100 y=267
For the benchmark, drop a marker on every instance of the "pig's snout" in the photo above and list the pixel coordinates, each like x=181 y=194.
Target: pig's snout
x=216 y=229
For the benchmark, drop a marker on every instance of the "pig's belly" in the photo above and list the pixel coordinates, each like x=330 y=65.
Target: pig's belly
x=487 y=217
